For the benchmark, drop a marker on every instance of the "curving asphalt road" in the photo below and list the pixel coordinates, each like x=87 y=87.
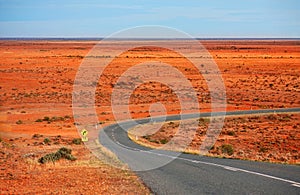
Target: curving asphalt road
x=167 y=172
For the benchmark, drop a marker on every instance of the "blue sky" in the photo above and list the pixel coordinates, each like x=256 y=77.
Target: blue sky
x=199 y=18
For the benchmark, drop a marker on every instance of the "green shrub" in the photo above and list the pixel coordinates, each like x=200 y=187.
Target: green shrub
x=57 y=118
x=61 y=153
x=67 y=117
x=46 y=118
x=54 y=118
x=66 y=153
x=227 y=149
x=47 y=140
x=163 y=141
x=77 y=141
x=203 y=121
x=154 y=141
x=147 y=137
x=49 y=157
x=39 y=120
x=231 y=133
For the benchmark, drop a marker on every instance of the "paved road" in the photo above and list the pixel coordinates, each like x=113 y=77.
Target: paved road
x=166 y=172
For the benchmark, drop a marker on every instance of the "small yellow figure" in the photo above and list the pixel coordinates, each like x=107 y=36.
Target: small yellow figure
x=84 y=134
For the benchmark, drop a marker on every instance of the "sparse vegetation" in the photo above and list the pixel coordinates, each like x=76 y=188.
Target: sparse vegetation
x=203 y=121
x=61 y=153
x=46 y=118
x=53 y=119
x=77 y=141
x=246 y=76
x=47 y=140
x=67 y=117
x=231 y=133
x=147 y=137
x=36 y=136
x=285 y=118
x=154 y=141
x=263 y=149
x=19 y=122
x=227 y=149
x=252 y=137
x=75 y=56
x=163 y=141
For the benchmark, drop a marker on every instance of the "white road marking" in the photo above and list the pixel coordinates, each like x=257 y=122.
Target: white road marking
x=293 y=183
x=296 y=185
x=230 y=168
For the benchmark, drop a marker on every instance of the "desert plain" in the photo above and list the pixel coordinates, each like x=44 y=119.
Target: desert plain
x=36 y=117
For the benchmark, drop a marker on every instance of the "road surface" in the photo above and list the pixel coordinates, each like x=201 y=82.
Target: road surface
x=167 y=172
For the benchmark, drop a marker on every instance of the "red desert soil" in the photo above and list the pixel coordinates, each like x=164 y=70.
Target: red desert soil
x=21 y=173
x=36 y=98
x=271 y=138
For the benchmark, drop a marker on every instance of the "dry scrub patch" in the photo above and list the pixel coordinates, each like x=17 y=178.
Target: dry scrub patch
x=21 y=173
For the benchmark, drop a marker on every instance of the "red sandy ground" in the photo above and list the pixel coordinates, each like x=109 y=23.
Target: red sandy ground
x=21 y=174
x=37 y=81
x=271 y=138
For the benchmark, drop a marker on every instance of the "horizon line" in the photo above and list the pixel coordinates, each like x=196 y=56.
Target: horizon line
x=145 y=38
